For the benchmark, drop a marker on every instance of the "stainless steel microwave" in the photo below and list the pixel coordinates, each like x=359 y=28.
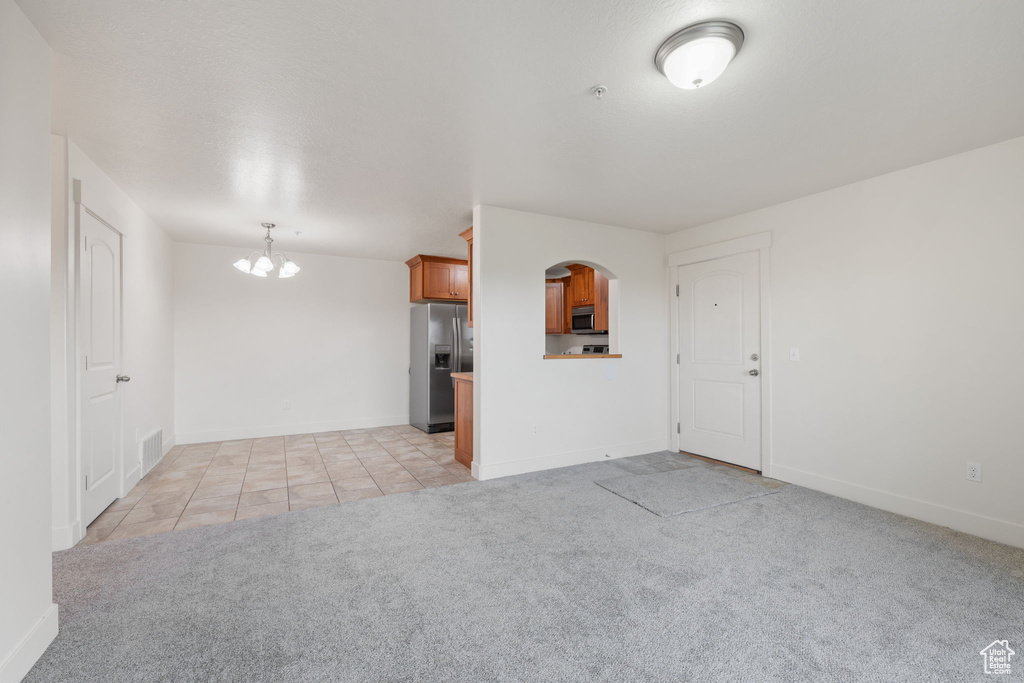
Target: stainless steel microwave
x=583 y=321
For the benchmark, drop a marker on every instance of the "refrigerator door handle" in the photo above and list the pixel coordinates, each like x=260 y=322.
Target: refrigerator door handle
x=456 y=347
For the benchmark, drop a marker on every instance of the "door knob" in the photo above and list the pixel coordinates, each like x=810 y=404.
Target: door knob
x=754 y=373
x=124 y=378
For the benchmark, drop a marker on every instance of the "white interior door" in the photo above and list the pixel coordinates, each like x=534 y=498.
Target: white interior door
x=100 y=348
x=719 y=359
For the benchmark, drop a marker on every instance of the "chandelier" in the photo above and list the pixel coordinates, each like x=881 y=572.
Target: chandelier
x=266 y=261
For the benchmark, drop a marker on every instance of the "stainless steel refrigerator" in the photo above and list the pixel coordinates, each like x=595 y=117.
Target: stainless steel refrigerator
x=441 y=343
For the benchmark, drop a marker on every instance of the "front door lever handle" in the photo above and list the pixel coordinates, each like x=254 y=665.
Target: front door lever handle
x=124 y=378
x=754 y=373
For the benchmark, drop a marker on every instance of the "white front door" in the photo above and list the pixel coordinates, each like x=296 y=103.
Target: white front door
x=100 y=349
x=719 y=359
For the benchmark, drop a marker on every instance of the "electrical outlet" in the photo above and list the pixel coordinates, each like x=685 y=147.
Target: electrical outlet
x=794 y=353
x=286 y=405
x=536 y=430
x=973 y=471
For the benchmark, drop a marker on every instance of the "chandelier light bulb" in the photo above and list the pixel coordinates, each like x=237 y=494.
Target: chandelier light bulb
x=263 y=264
x=243 y=265
x=258 y=273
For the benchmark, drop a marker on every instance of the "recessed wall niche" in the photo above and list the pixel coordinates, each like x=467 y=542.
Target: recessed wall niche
x=580 y=311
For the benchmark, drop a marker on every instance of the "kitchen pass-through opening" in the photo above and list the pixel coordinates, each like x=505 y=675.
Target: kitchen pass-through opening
x=580 y=311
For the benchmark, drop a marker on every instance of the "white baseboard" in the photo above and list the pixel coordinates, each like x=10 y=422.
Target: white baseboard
x=131 y=479
x=31 y=648
x=168 y=445
x=64 y=537
x=230 y=434
x=487 y=470
x=993 y=529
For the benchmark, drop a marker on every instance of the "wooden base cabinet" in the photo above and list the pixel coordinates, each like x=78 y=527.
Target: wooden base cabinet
x=437 y=278
x=463 y=418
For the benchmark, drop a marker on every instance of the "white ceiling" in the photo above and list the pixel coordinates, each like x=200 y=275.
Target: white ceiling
x=374 y=126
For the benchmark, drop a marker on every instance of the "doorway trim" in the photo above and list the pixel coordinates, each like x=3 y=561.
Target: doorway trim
x=760 y=242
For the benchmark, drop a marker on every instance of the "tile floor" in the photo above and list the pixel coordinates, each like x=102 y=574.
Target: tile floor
x=214 y=483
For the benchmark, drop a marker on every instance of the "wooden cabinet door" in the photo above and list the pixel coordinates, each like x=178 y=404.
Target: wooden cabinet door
x=600 y=302
x=554 y=303
x=577 y=289
x=464 y=422
x=566 y=306
x=415 y=282
x=438 y=280
x=460 y=282
x=582 y=286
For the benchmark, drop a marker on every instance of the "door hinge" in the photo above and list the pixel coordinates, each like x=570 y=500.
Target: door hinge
x=677 y=359
x=87 y=482
x=679 y=429
x=677 y=290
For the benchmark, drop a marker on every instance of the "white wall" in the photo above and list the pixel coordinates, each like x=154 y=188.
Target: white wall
x=63 y=471
x=333 y=341
x=583 y=409
x=148 y=328
x=28 y=617
x=905 y=296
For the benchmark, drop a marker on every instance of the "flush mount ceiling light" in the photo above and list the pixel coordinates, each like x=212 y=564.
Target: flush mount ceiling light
x=698 y=54
x=264 y=262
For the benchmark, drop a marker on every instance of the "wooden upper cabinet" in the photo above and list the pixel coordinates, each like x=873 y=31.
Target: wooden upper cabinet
x=581 y=285
x=468 y=236
x=587 y=287
x=436 y=278
x=554 y=307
